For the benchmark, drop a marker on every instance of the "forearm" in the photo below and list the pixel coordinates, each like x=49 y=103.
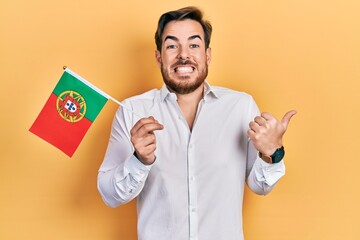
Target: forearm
x=264 y=176
x=122 y=184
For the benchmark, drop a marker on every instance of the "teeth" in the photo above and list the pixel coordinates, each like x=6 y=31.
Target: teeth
x=184 y=69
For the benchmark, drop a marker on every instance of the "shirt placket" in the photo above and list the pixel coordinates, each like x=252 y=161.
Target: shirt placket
x=191 y=179
x=193 y=208
x=192 y=185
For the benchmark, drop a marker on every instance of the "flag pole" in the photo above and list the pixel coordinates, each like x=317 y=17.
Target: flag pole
x=66 y=69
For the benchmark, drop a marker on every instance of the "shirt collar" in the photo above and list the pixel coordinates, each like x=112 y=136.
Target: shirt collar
x=209 y=93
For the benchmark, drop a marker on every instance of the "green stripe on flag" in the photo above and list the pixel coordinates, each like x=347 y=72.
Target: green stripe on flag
x=94 y=100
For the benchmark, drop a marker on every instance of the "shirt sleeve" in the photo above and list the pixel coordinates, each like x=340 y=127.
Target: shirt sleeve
x=121 y=176
x=261 y=176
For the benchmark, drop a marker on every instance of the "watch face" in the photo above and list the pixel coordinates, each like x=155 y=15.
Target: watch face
x=278 y=155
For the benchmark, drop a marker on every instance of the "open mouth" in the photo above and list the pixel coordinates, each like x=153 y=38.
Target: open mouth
x=184 y=69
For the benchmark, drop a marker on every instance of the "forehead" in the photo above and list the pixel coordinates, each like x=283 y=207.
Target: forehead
x=183 y=29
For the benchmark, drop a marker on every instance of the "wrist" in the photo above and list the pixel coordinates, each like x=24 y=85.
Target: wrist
x=275 y=157
x=145 y=162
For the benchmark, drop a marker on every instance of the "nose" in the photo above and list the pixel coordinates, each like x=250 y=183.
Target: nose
x=183 y=53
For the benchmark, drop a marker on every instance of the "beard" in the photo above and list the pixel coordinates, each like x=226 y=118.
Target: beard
x=184 y=86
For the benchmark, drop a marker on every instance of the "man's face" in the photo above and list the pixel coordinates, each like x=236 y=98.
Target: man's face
x=183 y=58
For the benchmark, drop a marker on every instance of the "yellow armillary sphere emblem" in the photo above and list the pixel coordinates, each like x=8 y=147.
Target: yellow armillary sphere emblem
x=71 y=106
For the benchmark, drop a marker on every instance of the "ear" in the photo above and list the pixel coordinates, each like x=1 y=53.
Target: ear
x=208 y=55
x=158 y=57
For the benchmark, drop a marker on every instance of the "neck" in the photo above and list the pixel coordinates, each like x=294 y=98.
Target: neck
x=192 y=98
x=189 y=102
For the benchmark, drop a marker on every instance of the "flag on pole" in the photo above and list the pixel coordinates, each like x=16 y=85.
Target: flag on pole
x=69 y=112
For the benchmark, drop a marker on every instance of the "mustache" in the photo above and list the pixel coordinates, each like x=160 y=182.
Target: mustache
x=182 y=62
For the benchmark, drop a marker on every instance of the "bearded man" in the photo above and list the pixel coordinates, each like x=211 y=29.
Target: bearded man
x=188 y=162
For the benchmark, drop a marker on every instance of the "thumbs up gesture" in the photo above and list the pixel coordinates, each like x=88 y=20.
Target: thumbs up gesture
x=266 y=131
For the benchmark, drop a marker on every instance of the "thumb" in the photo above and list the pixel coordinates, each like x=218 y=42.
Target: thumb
x=286 y=119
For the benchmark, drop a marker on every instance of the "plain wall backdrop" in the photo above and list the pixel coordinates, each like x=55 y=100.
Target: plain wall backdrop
x=302 y=55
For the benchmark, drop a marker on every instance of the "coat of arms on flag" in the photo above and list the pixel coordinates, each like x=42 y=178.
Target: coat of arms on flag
x=71 y=106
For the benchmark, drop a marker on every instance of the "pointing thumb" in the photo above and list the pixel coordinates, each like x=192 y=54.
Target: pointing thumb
x=286 y=119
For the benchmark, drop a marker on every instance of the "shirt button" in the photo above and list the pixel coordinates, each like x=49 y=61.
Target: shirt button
x=192 y=178
x=193 y=210
x=190 y=146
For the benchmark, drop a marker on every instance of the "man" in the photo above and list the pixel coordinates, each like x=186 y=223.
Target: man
x=187 y=164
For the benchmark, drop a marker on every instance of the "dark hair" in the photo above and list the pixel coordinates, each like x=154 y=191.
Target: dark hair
x=192 y=13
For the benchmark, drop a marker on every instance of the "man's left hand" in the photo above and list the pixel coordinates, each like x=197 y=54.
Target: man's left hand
x=266 y=131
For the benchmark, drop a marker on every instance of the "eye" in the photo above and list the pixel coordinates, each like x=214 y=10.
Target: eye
x=194 y=45
x=171 y=46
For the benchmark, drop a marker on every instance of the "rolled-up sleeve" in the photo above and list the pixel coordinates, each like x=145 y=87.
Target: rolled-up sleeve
x=121 y=175
x=264 y=176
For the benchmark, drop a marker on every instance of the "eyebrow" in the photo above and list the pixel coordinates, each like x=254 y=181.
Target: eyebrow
x=194 y=36
x=176 y=39
x=171 y=38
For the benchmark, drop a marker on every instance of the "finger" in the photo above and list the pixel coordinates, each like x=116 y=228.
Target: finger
x=141 y=143
x=143 y=140
x=251 y=133
x=147 y=140
x=148 y=128
x=141 y=122
x=286 y=119
x=260 y=120
x=150 y=149
x=267 y=116
x=147 y=153
x=254 y=126
x=144 y=127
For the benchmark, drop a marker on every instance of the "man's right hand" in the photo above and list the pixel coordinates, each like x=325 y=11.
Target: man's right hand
x=144 y=140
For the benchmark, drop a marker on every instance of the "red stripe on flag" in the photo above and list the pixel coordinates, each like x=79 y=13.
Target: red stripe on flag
x=62 y=134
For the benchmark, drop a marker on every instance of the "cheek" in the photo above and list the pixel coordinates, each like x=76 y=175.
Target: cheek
x=201 y=60
x=167 y=61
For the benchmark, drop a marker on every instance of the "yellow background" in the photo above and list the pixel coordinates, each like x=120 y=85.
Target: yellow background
x=301 y=54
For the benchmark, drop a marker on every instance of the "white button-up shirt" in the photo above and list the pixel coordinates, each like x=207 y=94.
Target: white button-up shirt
x=194 y=190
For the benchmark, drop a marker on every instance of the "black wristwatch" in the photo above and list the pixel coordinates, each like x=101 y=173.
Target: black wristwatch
x=276 y=157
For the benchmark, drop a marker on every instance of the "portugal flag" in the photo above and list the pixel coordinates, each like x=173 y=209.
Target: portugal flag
x=69 y=112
